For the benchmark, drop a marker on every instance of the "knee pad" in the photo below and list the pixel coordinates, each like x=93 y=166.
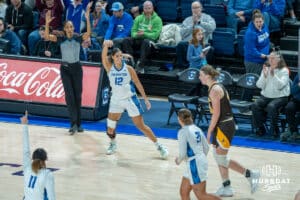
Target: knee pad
x=111 y=124
x=222 y=160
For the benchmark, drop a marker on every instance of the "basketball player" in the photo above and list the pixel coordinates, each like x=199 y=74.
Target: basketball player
x=123 y=80
x=38 y=181
x=222 y=130
x=193 y=147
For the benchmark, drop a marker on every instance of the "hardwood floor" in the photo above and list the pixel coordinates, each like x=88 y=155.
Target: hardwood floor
x=136 y=171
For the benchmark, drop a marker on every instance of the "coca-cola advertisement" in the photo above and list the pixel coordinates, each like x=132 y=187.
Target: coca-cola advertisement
x=32 y=81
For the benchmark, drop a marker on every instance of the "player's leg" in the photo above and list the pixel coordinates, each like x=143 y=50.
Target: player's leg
x=200 y=192
x=185 y=189
x=134 y=110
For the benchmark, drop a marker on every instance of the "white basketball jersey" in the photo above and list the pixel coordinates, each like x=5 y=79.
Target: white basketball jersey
x=121 y=84
x=192 y=142
x=36 y=186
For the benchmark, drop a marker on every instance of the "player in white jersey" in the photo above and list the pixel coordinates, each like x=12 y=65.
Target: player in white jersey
x=38 y=181
x=123 y=80
x=193 y=148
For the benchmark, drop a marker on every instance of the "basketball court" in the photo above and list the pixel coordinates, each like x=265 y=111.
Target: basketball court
x=84 y=172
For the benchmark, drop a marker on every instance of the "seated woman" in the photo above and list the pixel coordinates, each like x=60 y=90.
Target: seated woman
x=275 y=89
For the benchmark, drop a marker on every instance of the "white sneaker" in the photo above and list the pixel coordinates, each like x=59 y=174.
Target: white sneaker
x=254 y=180
x=225 y=191
x=163 y=151
x=112 y=148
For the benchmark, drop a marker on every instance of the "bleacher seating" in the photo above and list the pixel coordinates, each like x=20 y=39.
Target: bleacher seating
x=224 y=41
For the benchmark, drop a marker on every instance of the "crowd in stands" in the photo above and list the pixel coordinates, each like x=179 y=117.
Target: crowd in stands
x=135 y=27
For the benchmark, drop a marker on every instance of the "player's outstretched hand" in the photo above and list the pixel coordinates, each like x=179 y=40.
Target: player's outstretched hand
x=148 y=104
x=24 y=119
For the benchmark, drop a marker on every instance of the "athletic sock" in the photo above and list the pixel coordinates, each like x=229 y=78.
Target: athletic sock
x=247 y=173
x=226 y=183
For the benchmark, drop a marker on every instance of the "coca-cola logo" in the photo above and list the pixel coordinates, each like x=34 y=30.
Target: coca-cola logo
x=44 y=82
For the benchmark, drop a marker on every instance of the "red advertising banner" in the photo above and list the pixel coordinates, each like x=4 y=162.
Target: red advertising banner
x=40 y=82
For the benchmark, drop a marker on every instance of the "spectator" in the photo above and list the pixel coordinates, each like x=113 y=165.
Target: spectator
x=238 y=13
x=205 y=21
x=119 y=26
x=19 y=19
x=275 y=89
x=273 y=11
x=99 y=20
x=86 y=46
x=195 y=55
x=290 y=8
x=46 y=48
x=57 y=9
x=110 y=3
x=136 y=7
x=257 y=44
x=146 y=29
x=14 y=41
x=75 y=13
x=256 y=48
x=290 y=111
x=3 y=7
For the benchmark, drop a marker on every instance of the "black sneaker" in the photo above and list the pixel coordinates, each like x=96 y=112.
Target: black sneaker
x=73 y=129
x=80 y=129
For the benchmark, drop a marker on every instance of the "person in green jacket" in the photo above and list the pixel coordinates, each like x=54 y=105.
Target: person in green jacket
x=145 y=30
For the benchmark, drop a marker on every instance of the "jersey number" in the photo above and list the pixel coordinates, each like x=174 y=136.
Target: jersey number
x=32 y=181
x=118 y=80
x=198 y=136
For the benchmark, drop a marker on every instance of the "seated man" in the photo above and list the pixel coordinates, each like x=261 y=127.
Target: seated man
x=290 y=110
x=273 y=11
x=19 y=18
x=146 y=28
x=14 y=41
x=198 y=19
x=46 y=48
x=238 y=13
x=119 y=27
x=136 y=7
x=57 y=9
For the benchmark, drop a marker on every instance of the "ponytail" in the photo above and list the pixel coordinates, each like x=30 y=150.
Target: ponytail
x=37 y=164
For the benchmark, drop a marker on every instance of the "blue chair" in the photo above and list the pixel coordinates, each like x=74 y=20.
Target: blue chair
x=224 y=41
x=167 y=10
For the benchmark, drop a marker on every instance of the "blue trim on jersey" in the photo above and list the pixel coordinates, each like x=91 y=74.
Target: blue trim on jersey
x=194 y=172
x=45 y=194
x=123 y=65
x=132 y=87
x=190 y=152
x=137 y=103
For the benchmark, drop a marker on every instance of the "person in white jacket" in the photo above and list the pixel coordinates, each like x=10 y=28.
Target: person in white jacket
x=193 y=148
x=38 y=180
x=275 y=90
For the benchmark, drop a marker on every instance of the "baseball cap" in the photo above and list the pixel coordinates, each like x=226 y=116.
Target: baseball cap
x=116 y=6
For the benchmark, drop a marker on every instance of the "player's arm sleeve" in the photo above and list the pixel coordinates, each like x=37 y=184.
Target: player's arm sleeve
x=26 y=149
x=182 y=141
x=50 y=186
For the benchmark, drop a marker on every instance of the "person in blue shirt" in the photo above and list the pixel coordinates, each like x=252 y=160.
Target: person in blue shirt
x=99 y=20
x=75 y=12
x=119 y=26
x=273 y=11
x=14 y=41
x=195 y=55
x=238 y=13
x=291 y=108
x=257 y=44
